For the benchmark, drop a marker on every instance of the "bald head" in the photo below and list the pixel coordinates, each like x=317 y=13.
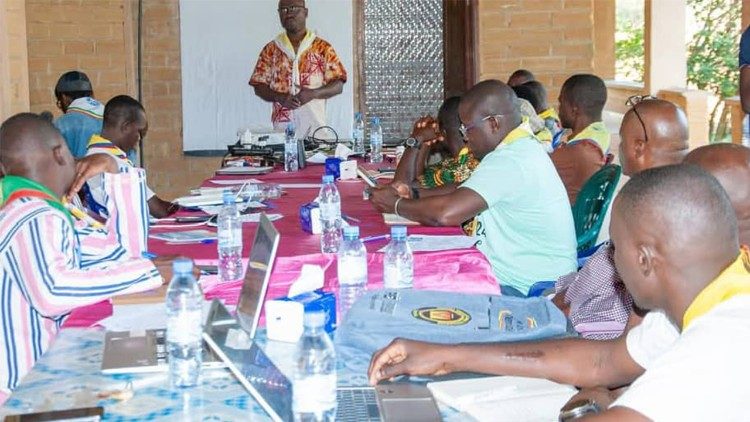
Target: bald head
x=489 y=111
x=31 y=147
x=661 y=139
x=674 y=229
x=730 y=165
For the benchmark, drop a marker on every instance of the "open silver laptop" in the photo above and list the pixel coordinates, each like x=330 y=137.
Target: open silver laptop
x=273 y=391
x=146 y=350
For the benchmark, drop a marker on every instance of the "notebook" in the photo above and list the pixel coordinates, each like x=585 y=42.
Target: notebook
x=395 y=220
x=515 y=398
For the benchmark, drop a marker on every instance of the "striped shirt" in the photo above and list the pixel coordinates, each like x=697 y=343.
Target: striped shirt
x=50 y=267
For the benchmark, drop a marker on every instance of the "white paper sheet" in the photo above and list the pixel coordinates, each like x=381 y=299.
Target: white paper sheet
x=151 y=316
x=300 y=186
x=235 y=182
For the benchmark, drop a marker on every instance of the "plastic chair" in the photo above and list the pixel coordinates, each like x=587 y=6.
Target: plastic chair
x=592 y=203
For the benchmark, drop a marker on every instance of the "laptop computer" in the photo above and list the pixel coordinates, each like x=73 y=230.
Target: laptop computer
x=142 y=351
x=273 y=390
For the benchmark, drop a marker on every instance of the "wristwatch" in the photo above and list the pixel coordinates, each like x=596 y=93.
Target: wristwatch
x=578 y=409
x=412 y=142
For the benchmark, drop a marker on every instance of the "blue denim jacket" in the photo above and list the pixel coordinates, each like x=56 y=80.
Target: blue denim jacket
x=77 y=129
x=380 y=316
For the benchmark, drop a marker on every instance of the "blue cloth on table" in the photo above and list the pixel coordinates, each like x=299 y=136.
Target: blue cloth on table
x=379 y=316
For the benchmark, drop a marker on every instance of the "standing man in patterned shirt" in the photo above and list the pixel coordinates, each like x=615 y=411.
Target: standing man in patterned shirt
x=297 y=72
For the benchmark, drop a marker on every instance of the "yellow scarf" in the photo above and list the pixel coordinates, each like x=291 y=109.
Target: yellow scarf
x=522 y=131
x=550 y=112
x=104 y=145
x=733 y=281
x=596 y=132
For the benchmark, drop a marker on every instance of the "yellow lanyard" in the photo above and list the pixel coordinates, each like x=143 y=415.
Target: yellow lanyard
x=733 y=281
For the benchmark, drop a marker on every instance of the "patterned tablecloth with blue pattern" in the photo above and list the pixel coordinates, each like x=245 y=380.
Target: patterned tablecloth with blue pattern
x=68 y=376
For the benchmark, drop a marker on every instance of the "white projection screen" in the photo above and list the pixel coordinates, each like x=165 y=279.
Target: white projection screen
x=220 y=43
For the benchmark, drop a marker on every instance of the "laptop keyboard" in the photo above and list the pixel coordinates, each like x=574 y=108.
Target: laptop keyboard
x=358 y=404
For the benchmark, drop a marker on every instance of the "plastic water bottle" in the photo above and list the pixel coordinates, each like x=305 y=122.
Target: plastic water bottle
x=398 y=262
x=314 y=389
x=184 y=325
x=376 y=141
x=358 y=145
x=329 y=201
x=352 y=270
x=291 y=160
x=230 y=240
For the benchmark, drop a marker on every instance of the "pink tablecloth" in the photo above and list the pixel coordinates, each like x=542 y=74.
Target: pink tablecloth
x=460 y=271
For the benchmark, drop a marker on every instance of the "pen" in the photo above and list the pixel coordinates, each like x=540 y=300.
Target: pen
x=149 y=255
x=374 y=238
x=350 y=218
x=196 y=242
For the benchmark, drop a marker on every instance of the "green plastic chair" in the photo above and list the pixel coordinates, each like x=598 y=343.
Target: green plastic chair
x=592 y=203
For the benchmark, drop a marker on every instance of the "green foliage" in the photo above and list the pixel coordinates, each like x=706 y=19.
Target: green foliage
x=629 y=51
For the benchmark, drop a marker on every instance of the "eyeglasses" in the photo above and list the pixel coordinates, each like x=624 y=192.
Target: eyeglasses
x=290 y=9
x=632 y=102
x=465 y=129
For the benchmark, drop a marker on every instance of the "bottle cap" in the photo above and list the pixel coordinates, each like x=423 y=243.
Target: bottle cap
x=182 y=266
x=228 y=197
x=315 y=319
x=376 y=120
x=398 y=231
x=328 y=178
x=351 y=232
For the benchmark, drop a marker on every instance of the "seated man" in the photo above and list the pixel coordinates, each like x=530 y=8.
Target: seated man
x=582 y=100
x=82 y=116
x=692 y=345
x=457 y=161
x=514 y=199
x=124 y=126
x=730 y=165
x=594 y=298
x=545 y=112
x=519 y=77
x=50 y=263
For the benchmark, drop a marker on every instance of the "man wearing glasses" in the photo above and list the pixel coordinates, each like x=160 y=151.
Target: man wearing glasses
x=514 y=200
x=297 y=72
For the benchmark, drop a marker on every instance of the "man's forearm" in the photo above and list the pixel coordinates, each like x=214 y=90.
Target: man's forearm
x=267 y=94
x=405 y=171
x=330 y=90
x=580 y=362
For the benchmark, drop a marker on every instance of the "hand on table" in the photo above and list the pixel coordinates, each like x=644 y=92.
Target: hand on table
x=163 y=264
x=384 y=199
x=90 y=166
x=402 y=189
x=408 y=357
x=426 y=130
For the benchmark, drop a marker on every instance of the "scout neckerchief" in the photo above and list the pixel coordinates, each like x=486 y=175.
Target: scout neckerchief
x=283 y=42
x=105 y=145
x=596 y=132
x=733 y=281
x=16 y=187
x=522 y=131
x=87 y=106
x=549 y=113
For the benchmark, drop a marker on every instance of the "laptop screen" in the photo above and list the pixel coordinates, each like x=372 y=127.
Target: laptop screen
x=257 y=275
x=257 y=373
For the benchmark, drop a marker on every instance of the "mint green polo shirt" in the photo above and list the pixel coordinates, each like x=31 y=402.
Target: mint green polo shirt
x=527 y=232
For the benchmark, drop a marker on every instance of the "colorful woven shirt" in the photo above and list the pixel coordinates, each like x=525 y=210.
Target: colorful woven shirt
x=314 y=65
x=49 y=266
x=449 y=170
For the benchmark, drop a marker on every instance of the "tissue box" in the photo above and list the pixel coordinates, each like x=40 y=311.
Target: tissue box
x=309 y=218
x=284 y=316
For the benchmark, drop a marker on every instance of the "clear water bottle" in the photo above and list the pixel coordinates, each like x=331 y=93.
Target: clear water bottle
x=230 y=240
x=358 y=142
x=291 y=154
x=314 y=389
x=376 y=141
x=329 y=201
x=352 y=270
x=398 y=262
x=184 y=325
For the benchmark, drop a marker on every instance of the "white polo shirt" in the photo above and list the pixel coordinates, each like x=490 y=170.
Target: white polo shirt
x=702 y=374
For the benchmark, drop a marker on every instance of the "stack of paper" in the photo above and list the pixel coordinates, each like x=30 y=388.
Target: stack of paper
x=505 y=398
x=190 y=236
x=395 y=220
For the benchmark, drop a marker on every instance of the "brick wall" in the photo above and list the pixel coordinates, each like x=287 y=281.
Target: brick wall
x=87 y=35
x=551 y=38
x=14 y=76
x=170 y=173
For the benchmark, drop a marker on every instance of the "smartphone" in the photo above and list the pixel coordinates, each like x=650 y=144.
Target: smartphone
x=208 y=269
x=84 y=414
x=192 y=219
